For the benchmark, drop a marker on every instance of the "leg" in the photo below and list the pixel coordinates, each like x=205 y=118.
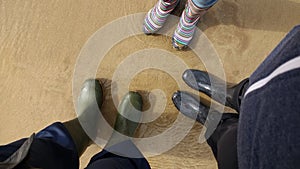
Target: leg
x=120 y=152
x=52 y=147
x=223 y=143
x=88 y=104
x=223 y=140
x=204 y=3
x=60 y=144
x=268 y=135
x=109 y=158
x=158 y=15
x=185 y=30
x=81 y=139
x=286 y=50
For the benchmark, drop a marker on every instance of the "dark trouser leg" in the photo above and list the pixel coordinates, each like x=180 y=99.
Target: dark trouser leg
x=51 y=148
x=112 y=163
x=54 y=147
x=287 y=49
x=269 y=123
x=109 y=160
x=223 y=143
x=119 y=156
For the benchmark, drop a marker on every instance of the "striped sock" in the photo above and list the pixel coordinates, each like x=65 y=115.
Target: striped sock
x=157 y=16
x=187 y=25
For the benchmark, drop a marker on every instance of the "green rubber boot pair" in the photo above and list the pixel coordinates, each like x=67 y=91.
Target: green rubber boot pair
x=129 y=110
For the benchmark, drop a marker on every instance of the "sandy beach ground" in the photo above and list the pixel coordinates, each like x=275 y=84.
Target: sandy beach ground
x=41 y=40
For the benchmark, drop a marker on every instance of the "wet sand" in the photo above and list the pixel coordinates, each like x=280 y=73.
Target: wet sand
x=40 y=42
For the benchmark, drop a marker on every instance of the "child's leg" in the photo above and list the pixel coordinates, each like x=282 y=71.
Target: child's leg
x=185 y=30
x=204 y=3
x=157 y=16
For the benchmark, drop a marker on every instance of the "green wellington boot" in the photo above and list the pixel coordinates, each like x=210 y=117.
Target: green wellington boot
x=91 y=95
x=128 y=118
x=88 y=106
x=130 y=107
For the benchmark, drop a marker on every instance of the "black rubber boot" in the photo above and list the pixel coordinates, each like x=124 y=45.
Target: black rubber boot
x=212 y=86
x=191 y=107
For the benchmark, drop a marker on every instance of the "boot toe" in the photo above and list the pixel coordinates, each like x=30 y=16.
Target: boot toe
x=190 y=106
x=198 y=80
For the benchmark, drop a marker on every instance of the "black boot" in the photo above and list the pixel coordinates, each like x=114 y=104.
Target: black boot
x=200 y=80
x=191 y=107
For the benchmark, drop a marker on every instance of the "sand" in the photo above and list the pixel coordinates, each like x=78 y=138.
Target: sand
x=40 y=42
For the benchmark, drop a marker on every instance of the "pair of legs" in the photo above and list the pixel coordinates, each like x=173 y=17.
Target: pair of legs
x=184 y=32
x=61 y=144
x=223 y=141
x=265 y=132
